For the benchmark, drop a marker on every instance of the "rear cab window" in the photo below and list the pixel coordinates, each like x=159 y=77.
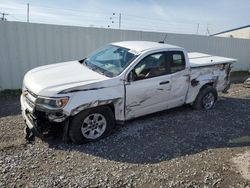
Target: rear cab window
x=159 y=64
x=176 y=61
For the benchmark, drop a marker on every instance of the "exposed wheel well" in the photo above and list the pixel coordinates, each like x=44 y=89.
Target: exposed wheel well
x=112 y=107
x=207 y=84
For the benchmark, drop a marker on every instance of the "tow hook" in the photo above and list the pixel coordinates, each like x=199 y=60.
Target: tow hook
x=29 y=136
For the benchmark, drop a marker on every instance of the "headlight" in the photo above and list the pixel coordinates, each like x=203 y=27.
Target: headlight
x=52 y=103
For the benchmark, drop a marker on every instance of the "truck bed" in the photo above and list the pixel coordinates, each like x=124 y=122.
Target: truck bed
x=200 y=60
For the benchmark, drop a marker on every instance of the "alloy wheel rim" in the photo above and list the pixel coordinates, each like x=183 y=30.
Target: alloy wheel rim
x=208 y=101
x=93 y=126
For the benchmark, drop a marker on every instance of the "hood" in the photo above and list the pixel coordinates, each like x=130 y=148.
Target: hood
x=51 y=79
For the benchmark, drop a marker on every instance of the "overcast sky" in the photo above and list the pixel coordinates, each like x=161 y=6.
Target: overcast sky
x=154 y=15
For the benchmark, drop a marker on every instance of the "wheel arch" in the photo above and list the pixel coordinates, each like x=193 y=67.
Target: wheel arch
x=109 y=105
x=193 y=91
x=197 y=104
x=207 y=84
x=212 y=84
x=76 y=136
x=116 y=105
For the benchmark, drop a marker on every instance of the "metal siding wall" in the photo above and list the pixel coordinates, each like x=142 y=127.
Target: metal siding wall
x=27 y=45
x=228 y=47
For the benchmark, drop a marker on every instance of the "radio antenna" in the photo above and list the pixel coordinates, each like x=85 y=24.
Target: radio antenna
x=163 y=41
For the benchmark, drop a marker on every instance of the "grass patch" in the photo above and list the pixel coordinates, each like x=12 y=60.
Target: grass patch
x=239 y=76
x=243 y=139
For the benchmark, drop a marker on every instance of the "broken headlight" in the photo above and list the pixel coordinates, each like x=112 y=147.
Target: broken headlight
x=51 y=103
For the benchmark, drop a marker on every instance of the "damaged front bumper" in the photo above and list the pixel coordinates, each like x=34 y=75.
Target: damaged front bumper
x=31 y=128
x=41 y=123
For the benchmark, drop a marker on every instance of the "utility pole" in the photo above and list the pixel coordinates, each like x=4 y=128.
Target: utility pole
x=208 y=32
x=3 y=16
x=28 y=12
x=197 y=31
x=120 y=20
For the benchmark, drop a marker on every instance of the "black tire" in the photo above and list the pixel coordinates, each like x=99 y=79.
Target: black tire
x=75 y=131
x=199 y=101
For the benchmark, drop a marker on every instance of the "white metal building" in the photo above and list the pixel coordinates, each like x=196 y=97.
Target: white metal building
x=241 y=32
x=28 y=45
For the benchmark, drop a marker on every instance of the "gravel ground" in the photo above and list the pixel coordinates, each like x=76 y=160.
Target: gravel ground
x=174 y=148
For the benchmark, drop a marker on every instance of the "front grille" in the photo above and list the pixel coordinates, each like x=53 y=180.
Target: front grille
x=30 y=116
x=29 y=102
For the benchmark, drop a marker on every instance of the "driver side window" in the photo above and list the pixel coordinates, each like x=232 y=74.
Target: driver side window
x=151 y=66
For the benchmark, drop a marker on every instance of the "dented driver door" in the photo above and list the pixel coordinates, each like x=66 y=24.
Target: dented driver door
x=158 y=82
x=148 y=88
x=147 y=96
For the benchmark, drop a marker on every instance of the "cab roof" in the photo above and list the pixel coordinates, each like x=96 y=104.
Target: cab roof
x=140 y=46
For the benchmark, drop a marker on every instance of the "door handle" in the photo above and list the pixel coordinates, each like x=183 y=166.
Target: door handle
x=165 y=82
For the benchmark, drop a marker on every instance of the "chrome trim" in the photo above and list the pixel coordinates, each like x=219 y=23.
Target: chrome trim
x=29 y=98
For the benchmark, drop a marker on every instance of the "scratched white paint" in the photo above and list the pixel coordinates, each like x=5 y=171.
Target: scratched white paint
x=27 y=45
x=130 y=99
x=147 y=96
x=206 y=75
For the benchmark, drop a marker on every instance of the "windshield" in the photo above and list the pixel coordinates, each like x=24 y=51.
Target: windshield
x=110 y=60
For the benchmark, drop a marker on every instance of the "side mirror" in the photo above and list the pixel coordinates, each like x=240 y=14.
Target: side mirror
x=82 y=60
x=131 y=76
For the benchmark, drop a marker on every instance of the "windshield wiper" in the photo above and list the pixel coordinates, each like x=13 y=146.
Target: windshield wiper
x=85 y=62
x=99 y=70
x=95 y=68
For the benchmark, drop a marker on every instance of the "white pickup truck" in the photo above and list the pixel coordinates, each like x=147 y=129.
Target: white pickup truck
x=118 y=82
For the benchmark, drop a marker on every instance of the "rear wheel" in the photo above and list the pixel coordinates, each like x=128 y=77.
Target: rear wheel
x=206 y=98
x=91 y=125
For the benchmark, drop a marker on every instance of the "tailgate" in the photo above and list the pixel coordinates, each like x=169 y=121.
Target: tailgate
x=200 y=60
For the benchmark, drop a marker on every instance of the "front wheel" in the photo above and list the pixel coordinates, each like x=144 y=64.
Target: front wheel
x=91 y=125
x=206 y=98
